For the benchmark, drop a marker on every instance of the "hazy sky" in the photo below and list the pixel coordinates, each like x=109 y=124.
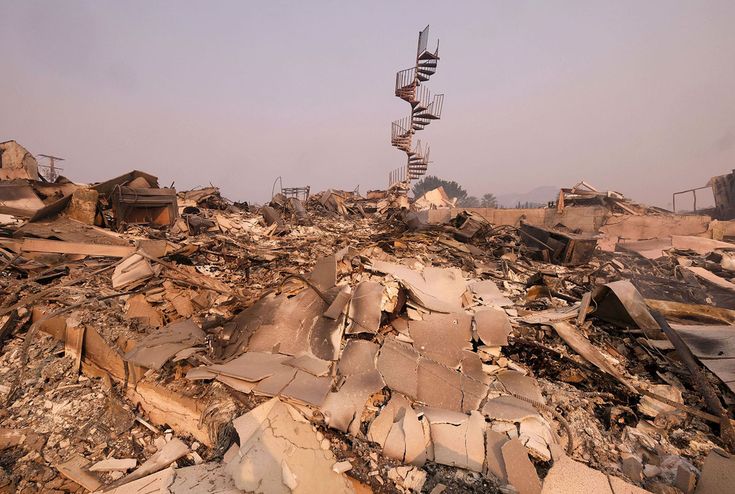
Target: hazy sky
x=635 y=96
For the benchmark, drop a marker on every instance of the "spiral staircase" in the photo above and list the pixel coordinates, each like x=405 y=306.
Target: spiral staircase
x=425 y=107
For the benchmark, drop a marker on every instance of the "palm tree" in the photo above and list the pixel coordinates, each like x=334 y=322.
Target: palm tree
x=489 y=201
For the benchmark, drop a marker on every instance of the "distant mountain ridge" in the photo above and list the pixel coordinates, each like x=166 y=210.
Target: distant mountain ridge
x=540 y=195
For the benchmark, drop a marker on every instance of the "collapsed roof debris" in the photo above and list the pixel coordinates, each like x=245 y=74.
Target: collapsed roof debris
x=202 y=345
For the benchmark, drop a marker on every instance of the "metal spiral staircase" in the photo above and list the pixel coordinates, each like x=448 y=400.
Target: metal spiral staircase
x=425 y=107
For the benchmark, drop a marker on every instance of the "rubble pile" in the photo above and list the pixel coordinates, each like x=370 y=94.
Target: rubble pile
x=154 y=341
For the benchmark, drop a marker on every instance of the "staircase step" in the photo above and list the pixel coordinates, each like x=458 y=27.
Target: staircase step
x=427 y=55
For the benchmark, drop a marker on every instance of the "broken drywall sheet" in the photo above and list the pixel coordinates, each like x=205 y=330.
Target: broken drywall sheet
x=205 y=478
x=404 y=370
x=158 y=347
x=156 y=483
x=337 y=308
x=275 y=375
x=494 y=463
x=343 y=408
x=718 y=473
x=131 y=272
x=493 y=326
x=508 y=408
x=699 y=245
x=400 y=432
x=140 y=309
x=169 y=453
x=251 y=366
x=324 y=274
x=439 y=386
x=569 y=476
x=281 y=453
x=521 y=385
x=306 y=388
x=442 y=337
x=519 y=469
x=397 y=363
x=437 y=289
x=364 y=311
x=114 y=465
x=650 y=249
x=311 y=364
x=457 y=439
x=489 y=293
x=77 y=470
x=290 y=325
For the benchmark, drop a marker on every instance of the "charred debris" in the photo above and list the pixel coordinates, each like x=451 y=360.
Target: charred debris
x=154 y=340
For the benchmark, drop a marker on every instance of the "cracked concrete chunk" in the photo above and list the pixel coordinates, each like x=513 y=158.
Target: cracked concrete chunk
x=281 y=453
x=493 y=326
x=442 y=337
x=521 y=472
x=364 y=310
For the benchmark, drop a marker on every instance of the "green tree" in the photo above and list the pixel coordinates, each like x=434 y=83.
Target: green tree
x=489 y=201
x=431 y=182
x=469 y=202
